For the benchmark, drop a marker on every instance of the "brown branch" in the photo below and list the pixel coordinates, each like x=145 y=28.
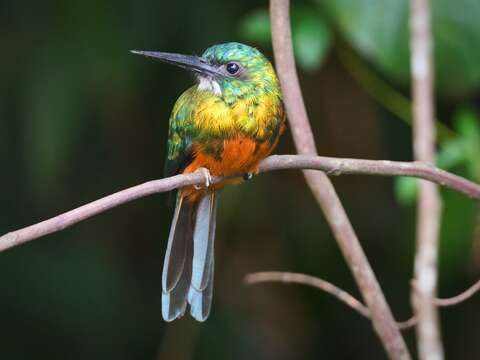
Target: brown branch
x=335 y=166
x=296 y=278
x=345 y=297
x=454 y=300
x=323 y=189
x=429 y=204
x=313 y=281
x=345 y=166
x=74 y=216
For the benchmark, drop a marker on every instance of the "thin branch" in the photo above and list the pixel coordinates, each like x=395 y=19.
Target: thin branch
x=313 y=281
x=333 y=166
x=429 y=204
x=467 y=294
x=323 y=189
x=345 y=297
x=407 y=324
x=296 y=278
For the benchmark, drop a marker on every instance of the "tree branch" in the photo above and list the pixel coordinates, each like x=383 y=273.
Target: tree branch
x=313 y=281
x=346 y=298
x=429 y=204
x=454 y=300
x=345 y=166
x=323 y=189
x=334 y=166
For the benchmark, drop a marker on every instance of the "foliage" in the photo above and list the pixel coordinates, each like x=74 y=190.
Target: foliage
x=378 y=29
x=310 y=34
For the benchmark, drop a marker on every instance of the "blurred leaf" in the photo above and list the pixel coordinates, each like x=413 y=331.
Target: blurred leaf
x=451 y=154
x=255 y=26
x=311 y=36
x=379 y=30
x=405 y=189
x=458 y=219
x=468 y=126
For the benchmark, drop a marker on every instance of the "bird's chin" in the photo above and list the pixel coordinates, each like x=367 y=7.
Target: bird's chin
x=206 y=83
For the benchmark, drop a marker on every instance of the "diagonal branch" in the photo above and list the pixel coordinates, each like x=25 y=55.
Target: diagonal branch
x=346 y=298
x=328 y=287
x=313 y=281
x=323 y=190
x=334 y=166
x=429 y=204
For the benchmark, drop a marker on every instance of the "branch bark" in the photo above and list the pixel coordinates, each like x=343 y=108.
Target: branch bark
x=323 y=189
x=346 y=298
x=334 y=166
x=454 y=300
x=429 y=203
x=313 y=281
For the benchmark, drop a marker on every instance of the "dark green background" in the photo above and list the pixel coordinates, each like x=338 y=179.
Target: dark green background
x=81 y=117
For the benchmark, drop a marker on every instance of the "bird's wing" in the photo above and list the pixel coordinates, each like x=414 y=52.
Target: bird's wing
x=180 y=134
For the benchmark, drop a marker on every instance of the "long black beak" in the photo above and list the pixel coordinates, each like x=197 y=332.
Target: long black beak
x=190 y=62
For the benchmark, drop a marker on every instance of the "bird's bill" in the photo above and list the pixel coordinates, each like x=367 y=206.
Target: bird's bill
x=189 y=62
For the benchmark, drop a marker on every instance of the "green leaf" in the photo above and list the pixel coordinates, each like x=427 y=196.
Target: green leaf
x=451 y=154
x=379 y=30
x=311 y=36
x=468 y=126
x=255 y=27
x=405 y=189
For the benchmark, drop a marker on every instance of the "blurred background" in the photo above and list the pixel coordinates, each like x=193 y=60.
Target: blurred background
x=81 y=117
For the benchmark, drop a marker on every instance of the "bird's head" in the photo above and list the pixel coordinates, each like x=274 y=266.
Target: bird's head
x=231 y=70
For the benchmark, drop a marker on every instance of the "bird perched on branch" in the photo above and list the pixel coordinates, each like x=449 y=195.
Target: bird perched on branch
x=226 y=123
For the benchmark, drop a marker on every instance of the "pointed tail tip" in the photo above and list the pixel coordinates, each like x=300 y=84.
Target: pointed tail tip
x=169 y=317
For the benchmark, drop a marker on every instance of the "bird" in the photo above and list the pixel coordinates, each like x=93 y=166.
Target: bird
x=224 y=125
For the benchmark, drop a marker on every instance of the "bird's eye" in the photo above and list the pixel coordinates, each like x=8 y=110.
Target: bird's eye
x=233 y=68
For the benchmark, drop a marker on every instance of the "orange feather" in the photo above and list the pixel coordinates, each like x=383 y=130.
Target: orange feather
x=241 y=155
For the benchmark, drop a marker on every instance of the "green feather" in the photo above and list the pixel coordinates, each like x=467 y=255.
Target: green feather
x=207 y=118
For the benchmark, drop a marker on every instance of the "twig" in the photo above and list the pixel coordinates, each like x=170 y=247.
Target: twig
x=467 y=294
x=334 y=166
x=323 y=189
x=429 y=204
x=335 y=291
x=296 y=278
x=345 y=297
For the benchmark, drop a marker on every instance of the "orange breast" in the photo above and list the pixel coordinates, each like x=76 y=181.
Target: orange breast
x=240 y=155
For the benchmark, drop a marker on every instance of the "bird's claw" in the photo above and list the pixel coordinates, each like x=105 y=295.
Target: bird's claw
x=208 y=179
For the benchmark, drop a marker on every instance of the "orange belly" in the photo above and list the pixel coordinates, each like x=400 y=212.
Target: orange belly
x=241 y=155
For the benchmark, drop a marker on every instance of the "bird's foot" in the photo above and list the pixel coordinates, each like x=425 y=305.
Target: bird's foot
x=208 y=179
x=248 y=176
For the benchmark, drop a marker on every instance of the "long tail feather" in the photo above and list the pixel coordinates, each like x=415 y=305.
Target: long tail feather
x=203 y=239
x=201 y=301
x=201 y=289
x=189 y=261
x=177 y=244
x=177 y=266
